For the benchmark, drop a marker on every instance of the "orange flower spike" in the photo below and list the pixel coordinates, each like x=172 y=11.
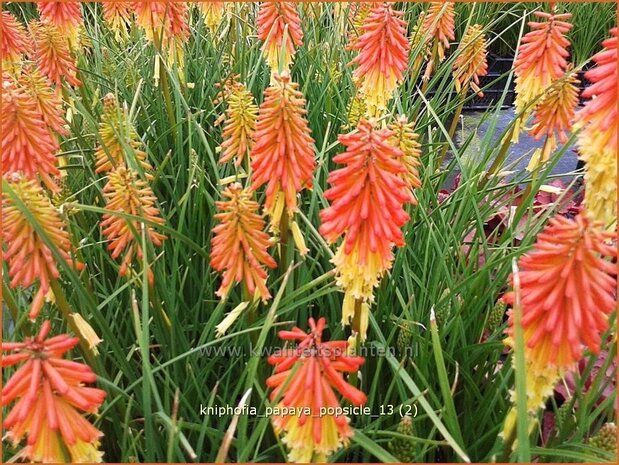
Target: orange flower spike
x=568 y=290
x=126 y=193
x=405 y=138
x=541 y=58
x=239 y=247
x=52 y=54
x=283 y=153
x=367 y=195
x=50 y=392
x=279 y=26
x=597 y=141
x=49 y=102
x=27 y=145
x=367 y=199
x=118 y=16
x=66 y=16
x=439 y=21
x=240 y=124
x=28 y=257
x=316 y=368
x=553 y=117
x=471 y=60
x=116 y=134
x=165 y=24
x=13 y=40
x=383 y=56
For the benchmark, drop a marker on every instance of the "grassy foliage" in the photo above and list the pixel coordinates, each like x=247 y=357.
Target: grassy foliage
x=160 y=360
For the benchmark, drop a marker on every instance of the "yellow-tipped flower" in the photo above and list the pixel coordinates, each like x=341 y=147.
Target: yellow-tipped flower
x=383 y=56
x=366 y=208
x=421 y=47
x=240 y=124
x=29 y=258
x=213 y=13
x=240 y=245
x=279 y=26
x=126 y=193
x=66 y=16
x=28 y=146
x=52 y=54
x=541 y=60
x=48 y=101
x=283 y=153
x=405 y=137
x=564 y=290
x=439 y=30
x=120 y=142
x=471 y=62
x=165 y=24
x=553 y=117
x=118 y=16
x=50 y=400
x=13 y=41
x=597 y=142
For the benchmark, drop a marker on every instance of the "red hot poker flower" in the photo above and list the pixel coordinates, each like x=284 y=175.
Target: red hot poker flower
x=383 y=55
x=367 y=199
x=597 y=142
x=28 y=257
x=240 y=245
x=305 y=380
x=65 y=15
x=541 y=60
x=28 y=147
x=568 y=290
x=279 y=26
x=50 y=393
x=13 y=40
x=283 y=153
x=52 y=54
x=126 y=193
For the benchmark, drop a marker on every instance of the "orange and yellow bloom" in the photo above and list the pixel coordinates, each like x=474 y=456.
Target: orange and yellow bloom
x=120 y=144
x=28 y=145
x=541 y=60
x=66 y=16
x=383 y=56
x=165 y=24
x=28 y=257
x=126 y=193
x=564 y=290
x=239 y=124
x=52 y=54
x=118 y=16
x=568 y=290
x=279 y=27
x=471 y=60
x=50 y=393
x=366 y=208
x=13 y=40
x=553 y=117
x=239 y=247
x=283 y=153
x=305 y=381
x=213 y=13
x=597 y=141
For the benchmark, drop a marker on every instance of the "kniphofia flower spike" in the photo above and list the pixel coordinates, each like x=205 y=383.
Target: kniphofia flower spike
x=51 y=394
x=305 y=381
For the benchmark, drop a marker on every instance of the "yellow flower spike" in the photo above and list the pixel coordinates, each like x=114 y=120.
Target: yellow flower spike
x=471 y=60
x=119 y=141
